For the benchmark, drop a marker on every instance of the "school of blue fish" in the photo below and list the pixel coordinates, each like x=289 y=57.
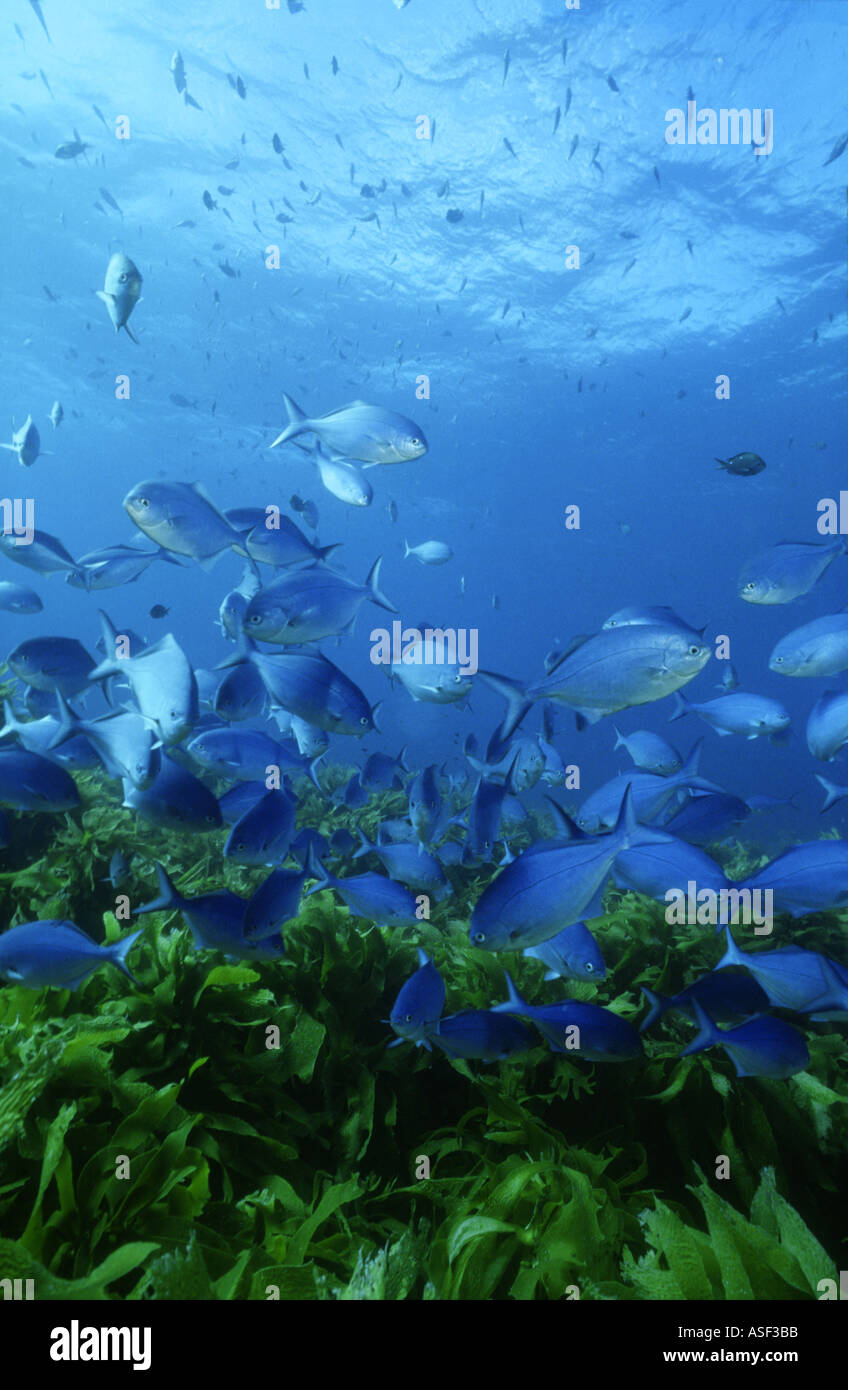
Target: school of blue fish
x=262 y=719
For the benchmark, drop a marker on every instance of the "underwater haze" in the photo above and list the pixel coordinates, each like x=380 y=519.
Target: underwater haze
x=543 y=306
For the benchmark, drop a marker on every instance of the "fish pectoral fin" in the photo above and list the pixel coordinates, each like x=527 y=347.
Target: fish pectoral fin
x=107 y=298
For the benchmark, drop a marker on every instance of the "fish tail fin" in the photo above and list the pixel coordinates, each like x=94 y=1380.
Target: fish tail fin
x=834 y=793
x=619 y=739
x=399 y=760
x=515 y=695
x=689 y=770
x=295 y=424
x=130 y=333
x=733 y=955
x=406 y=550
x=706 y=1035
x=659 y=1004
x=315 y=869
x=68 y=723
x=168 y=895
x=119 y=952
x=681 y=706
x=373 y=584
x=108 y=665
x=366 y=847
x=514 y=1002
x=724 y=463
x=313 y=772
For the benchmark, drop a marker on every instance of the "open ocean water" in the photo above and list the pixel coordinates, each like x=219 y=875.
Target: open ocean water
x=544 y=306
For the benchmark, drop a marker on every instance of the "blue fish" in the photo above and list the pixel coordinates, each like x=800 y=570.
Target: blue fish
x=807 y=878
x=425 y=804
x=481 y=1035
x=372 y=896
x=651 y=794
x=827 y=726
x=52 y=663
x=216 y=921
x=240 y=695
x=573 y=954
x=484 y=816
x=653 y=869
x=415 y=867
x=793 y=978
x=728 y=998
x=380 y=773
x=418 y=1008
x=275 y=902
x=580 y=1030
x=308 y=685
x=174 y=801
x=243 y=754
x=649 y=752
x=707 y=817
x=761 y=1047
x=237 y=800
x=539 y=894
x=29 y=782
x=264 y=833
x=57 y=954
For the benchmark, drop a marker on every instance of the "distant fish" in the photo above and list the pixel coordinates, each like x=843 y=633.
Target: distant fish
x=57 y=414
x=657 y=174
x=225 y=192
x=429 y=552
x=107 y=198
x=689 y=249
x=27 y=163
x=838 y=149
x=575 y=142
x=228 y=270
x=43 y=77
x=744 y=464
x=178 y=71
x=612 y=84
x=26 y=443
x=307 y=510
x=71 y=149
x=453 y=215
x=186 y=222
x=509 y=147
x=557 y=120
x=567 y=101
x=182 y=402
x=159 y=611
x=190 y=101
x=505 y=67
x=54 y=298
x=121 y=291
x=277 y=143
x=99 y=114
x=36 y=7
x=334 y=65
x=393 y=511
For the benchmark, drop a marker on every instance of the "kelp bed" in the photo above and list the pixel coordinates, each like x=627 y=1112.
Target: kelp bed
x=290 y=1171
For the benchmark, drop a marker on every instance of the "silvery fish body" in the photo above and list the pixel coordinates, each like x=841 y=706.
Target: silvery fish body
x=121 y=290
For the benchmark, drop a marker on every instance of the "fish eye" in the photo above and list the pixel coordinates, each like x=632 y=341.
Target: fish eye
x=255 y=618
x=778 y=660
x=479 y=938
x=210 y=819
x=457 y=680
x=123 y=277
x=416 y=440
x=693 y=651
x=144 y=502
x=364 y=721
x=513 y=934
x=589 y=968
x=750 y=584
x=409 y=1018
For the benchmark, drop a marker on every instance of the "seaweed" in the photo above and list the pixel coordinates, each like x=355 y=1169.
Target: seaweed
x=234 y=1130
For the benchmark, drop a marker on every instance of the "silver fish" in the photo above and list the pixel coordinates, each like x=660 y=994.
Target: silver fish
x=121 y=291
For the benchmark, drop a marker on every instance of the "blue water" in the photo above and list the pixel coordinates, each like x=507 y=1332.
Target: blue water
x=361 y=310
